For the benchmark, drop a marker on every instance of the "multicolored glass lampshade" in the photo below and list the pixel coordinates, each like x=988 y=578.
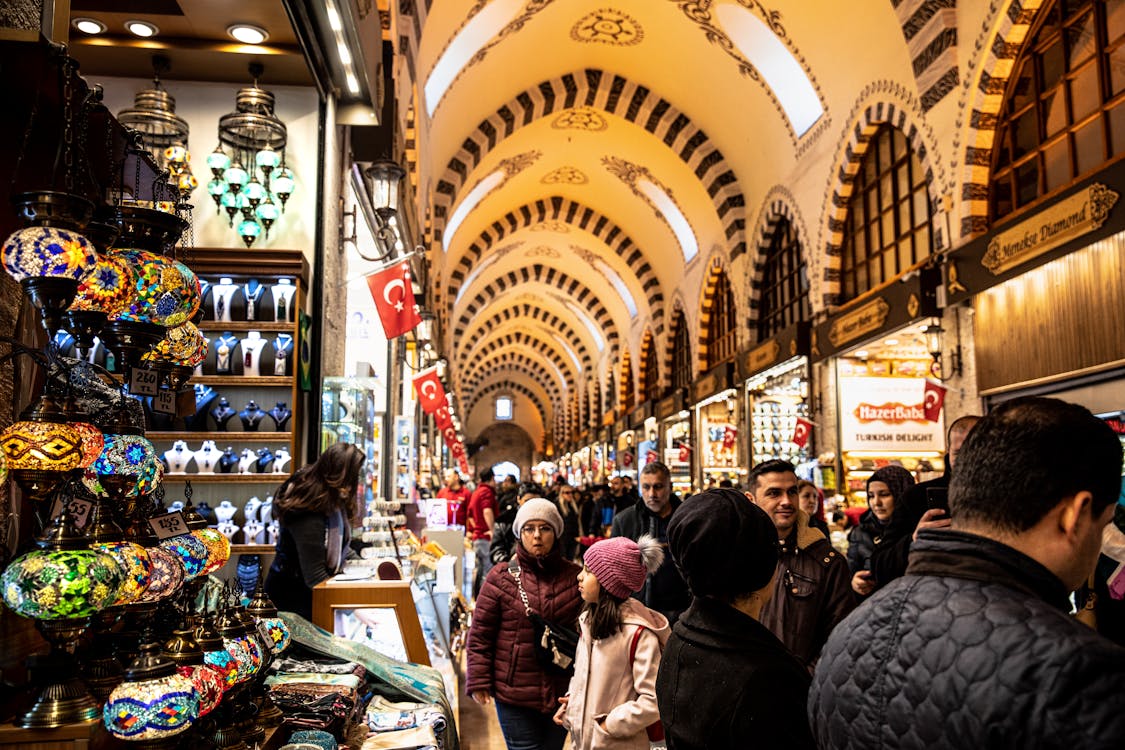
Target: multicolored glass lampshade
x=108 y=287
x=93 y=441
x=153 y=702
x=192 y=553
x=273 y=630
x=41 y=446
x=208 y=683
x=167 y=291
x=136 y=567
x=48 y=251
x=61 y=584
x=225 y=663
x=3 y=467
x=183 y=345
x=277 y=631
x=218 y=549
x=167 y=575
x=218 y=162
x=247 y=653
x=249 y=231
x=129 y=457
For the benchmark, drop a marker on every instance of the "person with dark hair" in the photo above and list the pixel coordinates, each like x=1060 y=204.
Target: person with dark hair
x=503 y=663
x=567 y=500
x=664 y=590
x=503 y=544
x=812 y=590
x=316 y=508
x=885 y=488
x=482 y=514
x=925 y=506
x=974 y=646
x=612 y=697
x=725 y=681
x=811 y=500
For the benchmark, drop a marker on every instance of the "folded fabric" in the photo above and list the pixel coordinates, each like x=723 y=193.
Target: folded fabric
x=418 y=738
x=348 y=681
x=286 y=664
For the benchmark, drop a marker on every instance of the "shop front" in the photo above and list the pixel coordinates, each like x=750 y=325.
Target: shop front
x=889 y=412
x=1046 y=291
x=718 y=417
x=775 y=377
x=675 y=440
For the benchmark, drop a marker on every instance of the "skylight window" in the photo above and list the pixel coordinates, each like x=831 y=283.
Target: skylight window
x=503 y=408
x=781 y=71
x=478 y=193
x=474 y=35
x=619 y=285
x=672 y=214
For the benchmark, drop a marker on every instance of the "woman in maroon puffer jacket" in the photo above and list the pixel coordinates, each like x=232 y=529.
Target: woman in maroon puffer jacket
x=502 y=658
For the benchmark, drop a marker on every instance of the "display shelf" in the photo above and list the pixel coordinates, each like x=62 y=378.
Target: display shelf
x=224 y=478
x=252 y=549
x=245 y=325
x=247 y=380
x=233 y=437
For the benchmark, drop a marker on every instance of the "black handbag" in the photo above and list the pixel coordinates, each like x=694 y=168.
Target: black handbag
x=555 y=644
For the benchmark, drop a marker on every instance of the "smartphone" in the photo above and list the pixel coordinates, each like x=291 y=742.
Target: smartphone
x=938 y=497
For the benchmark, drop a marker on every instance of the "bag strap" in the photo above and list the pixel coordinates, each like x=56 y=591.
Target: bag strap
x=514 y=569
x=654 y=730
x=633 y=644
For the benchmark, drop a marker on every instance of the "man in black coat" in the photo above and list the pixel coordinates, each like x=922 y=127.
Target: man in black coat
x=924 y=506
x=664 y=590
x=975 y=647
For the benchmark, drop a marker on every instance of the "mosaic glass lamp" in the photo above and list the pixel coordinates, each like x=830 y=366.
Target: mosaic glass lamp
x=184 y=650
x=135 y=564
x=218 y=549
x=92 y=439
x=215 y=652
x=42 y=448
x=167 y=576
x=107 y=290
x=191 y=552
x=273 y=629
x=127 y=466
x=242 y=646
x=154 y=702
x=177 y=354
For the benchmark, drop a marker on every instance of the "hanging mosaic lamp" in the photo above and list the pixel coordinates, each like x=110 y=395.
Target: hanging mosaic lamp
x=218 y=162
x=128 y=466
x=177 y=354
x=41 y=448
x=154 y=701
x=136 y=567
x=249 y=231
x=192 y=553
x=218 y=549
x=108 y=289
x=184 y=650
x=267 y=213
x=283 y=184
x=167 y=576
x=215 y=652
x=245 y=649
x=92 y=438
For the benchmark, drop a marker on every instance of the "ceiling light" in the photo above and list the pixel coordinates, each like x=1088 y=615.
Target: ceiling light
x=247 y=34
x=345 y=55
x=891 y=342
x=353 y=84
x=142 y=28
x=89 y=25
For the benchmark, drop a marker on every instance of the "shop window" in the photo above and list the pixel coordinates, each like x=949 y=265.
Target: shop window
x=650 y=369
x=784 y=298
x=681 y=352
x=503 y=407
x=1062 y=116
x=628 y=392
x=722 y=326
x=887 y=230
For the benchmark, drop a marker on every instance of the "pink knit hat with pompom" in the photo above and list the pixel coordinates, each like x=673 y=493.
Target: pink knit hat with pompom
x=621 y=565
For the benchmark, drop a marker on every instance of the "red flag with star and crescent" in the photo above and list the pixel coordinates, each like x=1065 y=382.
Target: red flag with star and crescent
x=442 y=417
x=932 y=399
x=394 y=299
x=431 y=394
x=802 y=428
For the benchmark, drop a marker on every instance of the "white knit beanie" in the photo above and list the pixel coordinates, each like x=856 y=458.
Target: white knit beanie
x=538 y=509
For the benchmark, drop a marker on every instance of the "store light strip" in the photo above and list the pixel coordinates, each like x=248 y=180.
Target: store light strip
x=342 y=50
x=760 y=379
x=896 y=453
x=725 y=395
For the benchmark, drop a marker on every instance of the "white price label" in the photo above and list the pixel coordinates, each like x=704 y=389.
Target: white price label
x=79 y=510
x=144 y=382
x=165 y=402
x=169 y=525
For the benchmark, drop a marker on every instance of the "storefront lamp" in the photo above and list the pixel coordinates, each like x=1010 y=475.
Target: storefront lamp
x=383 y=179
x=934 y=345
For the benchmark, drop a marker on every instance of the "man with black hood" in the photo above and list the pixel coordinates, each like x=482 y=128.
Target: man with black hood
x=725 y=680
x=664 y=590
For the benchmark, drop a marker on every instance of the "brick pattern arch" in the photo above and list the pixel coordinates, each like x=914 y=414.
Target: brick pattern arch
x=716 y=271
x=618 y=96
x=510 y=373
x=930 y=30
x=545 y=348
x=518 y=362
x=865 y=126
x=675 y=332
x=651 y=386
x=987 y=97
x=499 y=389
x=522 y=313
x=627 y=385
x=779 y=205
x=572 y=288
x=557 y=208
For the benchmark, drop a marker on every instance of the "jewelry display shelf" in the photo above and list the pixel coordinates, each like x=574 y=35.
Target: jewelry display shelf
x=245 y=325
x=252 y=549
x=239 y=436
x=243 y=379
x=267 y=478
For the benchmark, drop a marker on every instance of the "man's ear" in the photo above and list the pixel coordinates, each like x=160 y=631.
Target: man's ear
x=1074 y=512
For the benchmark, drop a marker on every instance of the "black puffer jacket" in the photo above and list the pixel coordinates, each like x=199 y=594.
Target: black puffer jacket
x=664 y=590
x=973 y=648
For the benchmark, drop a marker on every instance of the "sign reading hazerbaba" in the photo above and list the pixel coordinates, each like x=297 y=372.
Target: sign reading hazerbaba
x=887 y=414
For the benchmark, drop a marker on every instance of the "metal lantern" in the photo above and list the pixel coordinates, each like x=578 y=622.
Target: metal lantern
x=154 y=701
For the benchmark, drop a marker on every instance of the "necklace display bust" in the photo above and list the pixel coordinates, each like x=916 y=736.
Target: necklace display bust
x=283 y=292
x=251 y=417
x=224 y=353
x=252 y=290
x=228 y=461
x=281 y=461
x=255 y=532
x=265 y=458
x=280 y=414
x=246 y=461
x=282 y=349
x=252 y=347
x=222 y=414
x=228 y=529
x=250 y=510
x=207 y=457
x=266 y=511
x=273 y=531
x=222 y=294
x=226 y=511
x=177 y=457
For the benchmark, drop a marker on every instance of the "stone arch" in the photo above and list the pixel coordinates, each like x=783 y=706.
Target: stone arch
x=545 y=348
x=930 y=31
x=779 y=204
x=530 y=367
x=648 y=359
x=499 y=388
x=618 y=96
x=716 y=267
x=558 y=208
x=574 y=289
x=523 y=312
x=506 y=442
x=627 y=382
x=677 y=309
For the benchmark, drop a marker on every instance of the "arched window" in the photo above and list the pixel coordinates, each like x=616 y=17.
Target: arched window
x=1063 y=114
x=681 y=352
x=784 y=298
x=650 y=369
x=722 y=327
x=503 y=407
x=628 y=391
x=599 y=410
x=888 y=225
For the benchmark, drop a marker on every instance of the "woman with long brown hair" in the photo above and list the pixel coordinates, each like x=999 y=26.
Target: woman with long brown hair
x=316 y=508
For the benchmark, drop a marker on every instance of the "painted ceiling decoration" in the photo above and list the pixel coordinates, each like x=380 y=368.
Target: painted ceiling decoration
x=542 y=251
x=521 y=314
x=565 y=176
x=581 y=118
x=653 y=192
x=608 y=26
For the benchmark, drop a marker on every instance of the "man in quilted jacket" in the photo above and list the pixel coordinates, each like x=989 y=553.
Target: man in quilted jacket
x=975 y=646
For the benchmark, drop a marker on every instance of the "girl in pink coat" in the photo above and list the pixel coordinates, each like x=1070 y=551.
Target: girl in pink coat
x=612 y=697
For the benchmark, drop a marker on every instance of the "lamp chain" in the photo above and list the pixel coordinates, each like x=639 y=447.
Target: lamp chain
x=68 y=124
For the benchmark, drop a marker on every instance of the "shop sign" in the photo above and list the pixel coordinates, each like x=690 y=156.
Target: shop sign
x=620 y=426
x=888 y=415
x=603 y=435
x=1064 y=221
x=718 y=378
x=638 y=416
x=670 y=406
x=762 y=356
x=859 y=322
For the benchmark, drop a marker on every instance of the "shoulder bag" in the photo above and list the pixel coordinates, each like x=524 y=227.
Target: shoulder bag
x=555 y=644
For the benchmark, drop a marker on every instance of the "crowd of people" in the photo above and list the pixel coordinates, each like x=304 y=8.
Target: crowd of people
x=729 y=620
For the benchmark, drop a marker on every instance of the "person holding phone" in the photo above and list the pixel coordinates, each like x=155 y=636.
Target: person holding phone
x=885 y=488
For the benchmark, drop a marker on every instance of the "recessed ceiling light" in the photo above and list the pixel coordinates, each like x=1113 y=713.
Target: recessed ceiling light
x=142 y=28
x=353 y=84
x=88 y=25
x=891 y=342
x=248 y=34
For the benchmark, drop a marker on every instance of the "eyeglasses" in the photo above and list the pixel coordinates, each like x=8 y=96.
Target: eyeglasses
x=533 y=530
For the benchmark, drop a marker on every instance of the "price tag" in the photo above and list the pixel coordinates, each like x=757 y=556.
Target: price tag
x=79 y=510
x=144 y=382
x=169 y=525
x=165 y=402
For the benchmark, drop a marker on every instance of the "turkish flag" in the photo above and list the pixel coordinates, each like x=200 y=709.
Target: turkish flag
x=932 y=400
x=442 y=417
x=685 y=452
x=463 y=463
x=801 y=431
x=394 y=299
x=449 y=435
x=431 y=395
x=730 y=434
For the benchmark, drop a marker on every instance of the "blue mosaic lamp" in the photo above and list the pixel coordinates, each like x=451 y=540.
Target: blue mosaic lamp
x=154 y=702
x=127 y=466
x=191 y=552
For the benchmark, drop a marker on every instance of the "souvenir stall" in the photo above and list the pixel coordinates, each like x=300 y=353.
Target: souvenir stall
x=648 y=449
x=718 y=416
x=626 y=449
x=676 y=440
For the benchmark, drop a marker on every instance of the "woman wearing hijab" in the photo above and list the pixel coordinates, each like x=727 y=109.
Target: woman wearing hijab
x=885 y=488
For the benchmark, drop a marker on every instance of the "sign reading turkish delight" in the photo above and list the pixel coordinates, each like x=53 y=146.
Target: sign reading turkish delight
x=888 y=415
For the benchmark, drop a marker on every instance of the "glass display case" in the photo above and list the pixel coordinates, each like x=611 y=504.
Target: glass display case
x=352 y=410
